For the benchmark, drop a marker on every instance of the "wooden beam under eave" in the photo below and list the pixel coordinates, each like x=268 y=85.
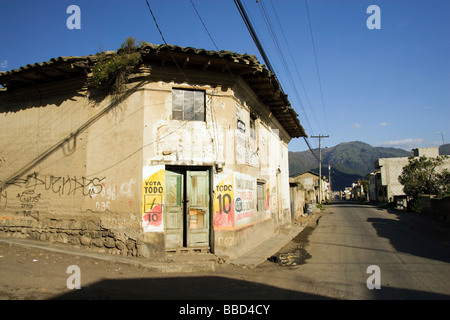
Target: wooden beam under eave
x=24 y=79
x=206 y=65
x=41 y=73
x=185 y=62
x=64 y=73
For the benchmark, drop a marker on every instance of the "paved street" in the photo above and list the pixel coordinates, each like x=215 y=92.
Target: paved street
x=330 y=262
x=351 y=237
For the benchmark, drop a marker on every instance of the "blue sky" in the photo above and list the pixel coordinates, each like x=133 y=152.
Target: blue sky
x=385 y=87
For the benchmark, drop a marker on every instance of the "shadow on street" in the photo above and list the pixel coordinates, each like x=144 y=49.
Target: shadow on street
x=185 y=288
x=408 y=241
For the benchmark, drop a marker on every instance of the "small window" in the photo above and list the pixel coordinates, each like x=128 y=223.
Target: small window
x=188 y=104
x=261 y=196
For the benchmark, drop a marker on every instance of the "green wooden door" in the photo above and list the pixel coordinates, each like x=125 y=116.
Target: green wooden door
x=197 y=210
x=173 y=215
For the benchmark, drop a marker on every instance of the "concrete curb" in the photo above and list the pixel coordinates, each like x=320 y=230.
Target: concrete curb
x=179 y=264
x=271 y=246
x=266 y=249
x=182 y=263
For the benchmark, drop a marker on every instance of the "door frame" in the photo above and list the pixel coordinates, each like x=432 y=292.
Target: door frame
x=183 y=169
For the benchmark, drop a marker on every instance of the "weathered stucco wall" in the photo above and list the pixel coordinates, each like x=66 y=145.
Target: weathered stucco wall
x=69 y=173
x=77 y=171
x=238 y=160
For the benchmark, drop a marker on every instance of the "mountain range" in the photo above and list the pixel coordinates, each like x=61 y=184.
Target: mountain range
x=349 y=161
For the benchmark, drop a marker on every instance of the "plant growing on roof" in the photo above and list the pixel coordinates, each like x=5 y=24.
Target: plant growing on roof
x=112 y=71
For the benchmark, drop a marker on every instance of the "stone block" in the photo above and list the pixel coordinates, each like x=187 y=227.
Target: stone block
x=151 y=245
x=109 y=243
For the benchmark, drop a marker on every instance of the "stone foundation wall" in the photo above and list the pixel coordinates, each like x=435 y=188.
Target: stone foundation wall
x=85 y=233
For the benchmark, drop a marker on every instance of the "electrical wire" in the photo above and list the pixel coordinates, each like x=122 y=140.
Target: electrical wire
x=295 y=67
x=210 y=37
x=253 y=34
x=286 y=68
x=317 y=65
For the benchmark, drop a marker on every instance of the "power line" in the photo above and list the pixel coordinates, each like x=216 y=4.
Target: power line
x=261 y=49
x=210 y=37
x=287 y=69
x=253 y=34
x=283 y=59
x=317 y=66
x=162 y=37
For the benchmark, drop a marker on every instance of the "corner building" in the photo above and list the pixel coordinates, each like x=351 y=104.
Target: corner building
x=191 y=156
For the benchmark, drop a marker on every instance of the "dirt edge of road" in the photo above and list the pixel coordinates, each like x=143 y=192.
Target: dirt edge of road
x=295 y=252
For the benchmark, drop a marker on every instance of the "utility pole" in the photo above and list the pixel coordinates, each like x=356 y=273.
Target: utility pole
x=320 y=137
x=329 y=175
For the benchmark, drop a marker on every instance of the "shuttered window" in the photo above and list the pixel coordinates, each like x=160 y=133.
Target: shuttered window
x=188 y=104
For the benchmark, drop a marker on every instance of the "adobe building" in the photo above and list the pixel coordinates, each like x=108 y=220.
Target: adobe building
x=310 y=182
x=191 y=157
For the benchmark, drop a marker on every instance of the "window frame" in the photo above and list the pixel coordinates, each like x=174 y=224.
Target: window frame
x=181 y=111
x=260 y=196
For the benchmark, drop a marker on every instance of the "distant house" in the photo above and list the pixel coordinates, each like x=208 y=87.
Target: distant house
x=387 y=186
x=374 y=179
x=297 y=197
x=310 y=183
x=192 y=156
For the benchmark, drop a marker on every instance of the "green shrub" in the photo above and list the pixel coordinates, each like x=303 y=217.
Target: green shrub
x=388 y=205
x=112 y=72
x=415 y=205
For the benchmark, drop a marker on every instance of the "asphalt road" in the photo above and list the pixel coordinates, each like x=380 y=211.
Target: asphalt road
x=352 y=237
x=329 y=260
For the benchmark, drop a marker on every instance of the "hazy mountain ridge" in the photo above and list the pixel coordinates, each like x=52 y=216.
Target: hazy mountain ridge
x=349 y=161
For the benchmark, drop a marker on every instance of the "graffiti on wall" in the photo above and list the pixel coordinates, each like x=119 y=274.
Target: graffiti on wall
x=60 y=185
x=32 y=187
x=153 y=198
x=112 y=193
x=26 y=192
x=235 y=197
x=105 y=197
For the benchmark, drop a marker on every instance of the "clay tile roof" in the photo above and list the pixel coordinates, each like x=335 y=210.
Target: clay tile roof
x=262 y=81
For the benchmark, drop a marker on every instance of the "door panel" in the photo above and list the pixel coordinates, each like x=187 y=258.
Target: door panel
x=173 y=214
x=197 y=221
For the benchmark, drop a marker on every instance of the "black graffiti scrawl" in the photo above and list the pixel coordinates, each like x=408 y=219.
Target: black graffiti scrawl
x=33 y=185
x=66 y=185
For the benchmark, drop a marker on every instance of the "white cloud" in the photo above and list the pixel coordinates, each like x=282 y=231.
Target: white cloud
x=356 y=126
x=407 y=144
x=383 y=124
x=3 y=64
